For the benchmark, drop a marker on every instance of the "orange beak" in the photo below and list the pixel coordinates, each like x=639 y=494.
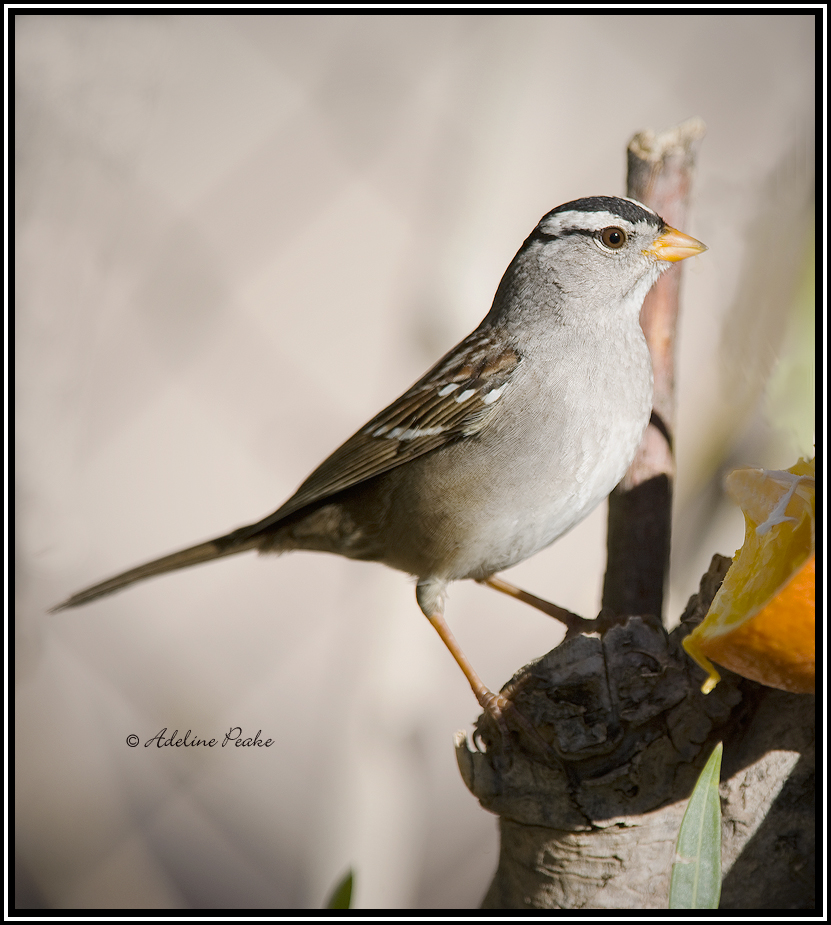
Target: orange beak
x=674 y=245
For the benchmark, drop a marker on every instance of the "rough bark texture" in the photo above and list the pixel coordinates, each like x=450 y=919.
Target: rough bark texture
x=590 y=820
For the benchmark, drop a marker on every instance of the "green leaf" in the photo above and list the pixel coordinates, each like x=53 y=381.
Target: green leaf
x=696 y=873
x=342 y=894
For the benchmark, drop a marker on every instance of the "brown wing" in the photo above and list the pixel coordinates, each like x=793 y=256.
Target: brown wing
x=455 y=399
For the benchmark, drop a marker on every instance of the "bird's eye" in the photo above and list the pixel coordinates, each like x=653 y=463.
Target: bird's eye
x=614 y=237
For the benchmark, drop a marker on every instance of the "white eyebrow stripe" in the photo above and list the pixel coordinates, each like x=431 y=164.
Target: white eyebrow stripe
x=587 y=221
x=575 y=220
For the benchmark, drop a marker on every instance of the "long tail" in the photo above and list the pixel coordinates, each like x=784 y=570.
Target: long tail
x=214 y=549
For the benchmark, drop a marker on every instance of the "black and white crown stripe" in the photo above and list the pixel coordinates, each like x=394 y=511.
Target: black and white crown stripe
x=590 y=216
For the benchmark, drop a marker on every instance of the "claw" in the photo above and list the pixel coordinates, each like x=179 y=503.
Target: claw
x=499 y=708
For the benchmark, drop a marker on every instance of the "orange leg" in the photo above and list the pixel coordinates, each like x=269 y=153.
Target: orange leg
x=571 y=620
x=492 y=703
x=495 y=705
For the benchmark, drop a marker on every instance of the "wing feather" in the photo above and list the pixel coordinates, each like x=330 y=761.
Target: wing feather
x=455 y=399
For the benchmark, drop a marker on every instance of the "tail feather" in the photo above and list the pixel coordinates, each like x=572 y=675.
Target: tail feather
x=193 y=555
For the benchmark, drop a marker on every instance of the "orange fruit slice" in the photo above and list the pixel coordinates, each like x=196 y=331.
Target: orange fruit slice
x=761 y=622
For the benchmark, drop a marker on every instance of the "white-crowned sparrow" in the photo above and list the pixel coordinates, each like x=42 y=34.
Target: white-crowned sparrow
x=511 y=439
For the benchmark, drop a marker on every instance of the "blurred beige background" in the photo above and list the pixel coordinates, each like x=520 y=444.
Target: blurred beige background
x=237 y=239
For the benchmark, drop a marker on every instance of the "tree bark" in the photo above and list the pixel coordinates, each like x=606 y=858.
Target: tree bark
x=591 y=820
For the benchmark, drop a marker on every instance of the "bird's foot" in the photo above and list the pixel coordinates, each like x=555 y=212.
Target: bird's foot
x=503 y=713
